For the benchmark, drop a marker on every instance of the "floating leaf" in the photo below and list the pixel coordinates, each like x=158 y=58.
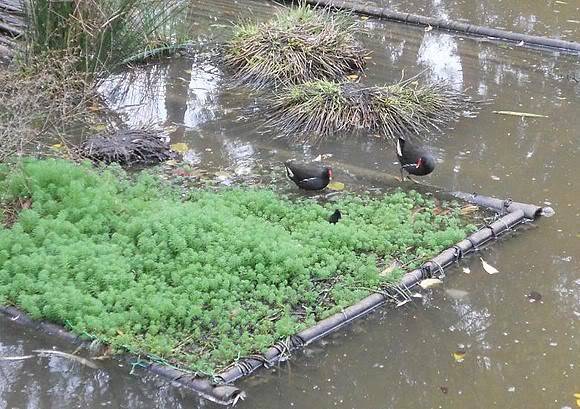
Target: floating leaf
x=392 y=267
x=456 y=293
x=336 y=186
x=318 y=158
x=417 y=295
x=459 y=355
x=466 y=270
x=430 y=282
x=522 y=114
x=221 y=175
x=179 y=147
x=428 y=28
x=488 y=267
x=99 y=127
x=465 y=210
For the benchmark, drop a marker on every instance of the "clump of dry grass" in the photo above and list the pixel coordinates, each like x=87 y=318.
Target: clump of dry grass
x=317 y=109
x=300 y=44
x=35 y=100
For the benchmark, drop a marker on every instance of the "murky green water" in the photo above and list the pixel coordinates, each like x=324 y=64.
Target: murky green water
x=518 y=354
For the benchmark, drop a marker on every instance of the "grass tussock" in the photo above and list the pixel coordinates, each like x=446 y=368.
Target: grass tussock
x=202 y=281
x=320 y=108
x=35 y=101
x=300 y=44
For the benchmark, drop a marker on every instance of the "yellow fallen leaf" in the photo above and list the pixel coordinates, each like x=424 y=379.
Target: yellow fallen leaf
x=577 y=395
x=488 y=267
x=522 y=114
x=99 y=127
x=336 y=186
x=430 y=282
x=56 y=146
x=465 y=210
x=459 y=356
x=179 y=147
x=364 y=17
x=352 y=77
x=392 y=267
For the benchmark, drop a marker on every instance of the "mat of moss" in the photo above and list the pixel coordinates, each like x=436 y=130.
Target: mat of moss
x=202 y=280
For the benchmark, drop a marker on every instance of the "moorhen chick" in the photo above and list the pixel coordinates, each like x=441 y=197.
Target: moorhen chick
x=309 y=176
x=414 y=159
x=335 y=217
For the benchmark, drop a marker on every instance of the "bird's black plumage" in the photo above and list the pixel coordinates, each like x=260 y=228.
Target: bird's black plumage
x=335 y=217
x=414 y=159
x=311 y=176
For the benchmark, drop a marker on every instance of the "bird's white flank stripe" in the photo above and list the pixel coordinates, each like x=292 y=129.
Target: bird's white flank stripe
x=399 y=150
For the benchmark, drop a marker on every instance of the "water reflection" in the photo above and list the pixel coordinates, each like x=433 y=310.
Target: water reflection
x=177 y=93
x=439 y=53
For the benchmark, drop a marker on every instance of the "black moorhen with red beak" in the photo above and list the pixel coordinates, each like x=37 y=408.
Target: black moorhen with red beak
x=312 y=176
x=414 y=159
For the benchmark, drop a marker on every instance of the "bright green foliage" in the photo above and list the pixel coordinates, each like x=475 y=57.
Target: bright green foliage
x=199 y=281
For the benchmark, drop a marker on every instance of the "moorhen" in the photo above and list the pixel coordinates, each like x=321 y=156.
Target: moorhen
x=414 y=159
x=335 y=217
x=309 y=176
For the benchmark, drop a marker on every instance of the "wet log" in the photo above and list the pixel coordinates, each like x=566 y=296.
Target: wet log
x=524 y=40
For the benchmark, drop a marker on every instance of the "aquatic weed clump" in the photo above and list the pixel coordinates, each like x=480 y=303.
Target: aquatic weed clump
x=300 y=44
x=320 y=108
x=202 y=281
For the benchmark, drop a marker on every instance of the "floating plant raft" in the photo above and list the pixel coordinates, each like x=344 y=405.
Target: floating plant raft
x=321 y=108
x=300 y=44
x=197 y=283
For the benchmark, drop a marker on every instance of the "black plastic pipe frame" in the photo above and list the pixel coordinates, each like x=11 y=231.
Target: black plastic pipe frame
x=523 y=40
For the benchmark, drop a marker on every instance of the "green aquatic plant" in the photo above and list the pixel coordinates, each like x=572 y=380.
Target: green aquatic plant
x=203 y=280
